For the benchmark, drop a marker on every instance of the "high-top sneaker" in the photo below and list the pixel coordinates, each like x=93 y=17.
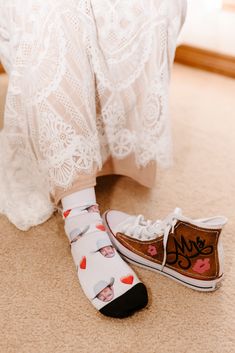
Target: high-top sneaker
x=186 y=250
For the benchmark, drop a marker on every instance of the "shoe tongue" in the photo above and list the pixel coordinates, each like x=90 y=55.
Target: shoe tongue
x=129 y=221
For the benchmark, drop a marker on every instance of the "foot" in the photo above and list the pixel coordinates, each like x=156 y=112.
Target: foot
x=106 y=279
x=188 y=251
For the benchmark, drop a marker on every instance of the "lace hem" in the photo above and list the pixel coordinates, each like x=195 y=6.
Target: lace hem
x=88 y=80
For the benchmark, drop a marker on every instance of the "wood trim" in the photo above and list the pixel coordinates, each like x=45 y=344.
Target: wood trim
x=200 y=58
x=1 y=69
x=206 y=60
x=229 y=7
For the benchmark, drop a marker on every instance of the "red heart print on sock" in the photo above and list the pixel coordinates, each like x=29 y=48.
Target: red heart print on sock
x=66 y=213
x=83 y=263
x=127 y=279
x=101 y=227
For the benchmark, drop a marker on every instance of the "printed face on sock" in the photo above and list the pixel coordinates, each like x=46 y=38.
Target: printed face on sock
x=107 y=251
x=106 y=294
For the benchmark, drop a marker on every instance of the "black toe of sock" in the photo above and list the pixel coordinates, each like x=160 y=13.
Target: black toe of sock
x=134 y=299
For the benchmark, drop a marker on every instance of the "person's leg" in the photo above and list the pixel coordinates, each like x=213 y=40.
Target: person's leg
x=69 y=142
x=80 y=183
x=51 y=114
x=55 y=121
x=108 y=282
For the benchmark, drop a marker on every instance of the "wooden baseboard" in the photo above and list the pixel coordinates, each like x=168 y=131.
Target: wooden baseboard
x=229 y=7
x=1 y=69
x=202 y=59
x=206 y=60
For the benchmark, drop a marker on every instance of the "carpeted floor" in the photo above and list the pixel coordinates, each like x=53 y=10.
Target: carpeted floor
x=42 y=307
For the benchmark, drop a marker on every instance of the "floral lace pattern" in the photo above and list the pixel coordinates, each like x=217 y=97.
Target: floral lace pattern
x=88 y=80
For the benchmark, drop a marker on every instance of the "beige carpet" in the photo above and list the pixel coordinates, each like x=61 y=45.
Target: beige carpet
x=42 y=307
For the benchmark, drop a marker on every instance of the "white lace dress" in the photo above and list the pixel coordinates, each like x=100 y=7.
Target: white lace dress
x=88 y=81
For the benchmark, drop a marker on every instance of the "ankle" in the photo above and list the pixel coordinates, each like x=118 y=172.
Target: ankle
x=82 y=199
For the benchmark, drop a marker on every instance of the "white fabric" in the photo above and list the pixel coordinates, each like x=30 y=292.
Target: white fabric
x=88 y=80
x=80 y=198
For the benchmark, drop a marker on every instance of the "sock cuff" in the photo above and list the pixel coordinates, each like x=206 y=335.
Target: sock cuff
x=79 y=199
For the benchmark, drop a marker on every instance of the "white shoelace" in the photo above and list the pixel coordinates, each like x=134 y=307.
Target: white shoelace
x=144 y=229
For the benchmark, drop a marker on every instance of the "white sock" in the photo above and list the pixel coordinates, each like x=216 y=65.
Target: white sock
x=109 y=283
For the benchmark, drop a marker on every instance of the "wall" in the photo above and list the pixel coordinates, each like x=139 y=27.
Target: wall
x=208 y=26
